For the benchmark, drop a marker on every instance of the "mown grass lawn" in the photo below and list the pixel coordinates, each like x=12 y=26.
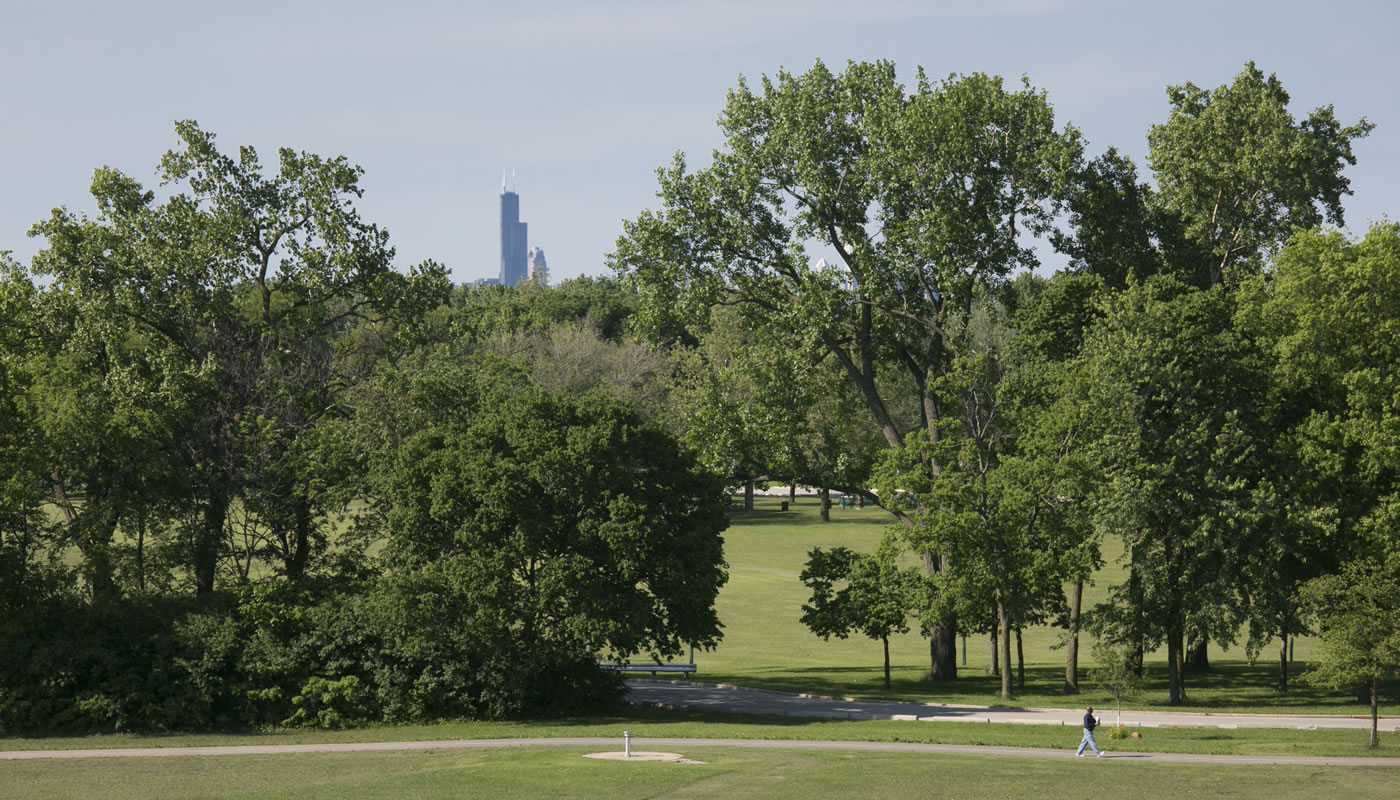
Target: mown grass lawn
x=727 y=773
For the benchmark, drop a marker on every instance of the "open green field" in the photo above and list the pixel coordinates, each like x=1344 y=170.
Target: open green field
x=726 y=772
x=766 y=646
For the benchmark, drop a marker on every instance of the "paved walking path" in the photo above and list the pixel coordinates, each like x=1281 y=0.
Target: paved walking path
x=722 y=697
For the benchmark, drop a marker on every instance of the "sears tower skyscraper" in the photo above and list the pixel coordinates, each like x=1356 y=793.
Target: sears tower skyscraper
x=513 y=241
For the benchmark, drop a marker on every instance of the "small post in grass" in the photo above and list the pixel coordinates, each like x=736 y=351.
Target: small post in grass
x=626 y=744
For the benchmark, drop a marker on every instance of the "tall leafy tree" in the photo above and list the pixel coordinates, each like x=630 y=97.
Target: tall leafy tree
x=923 y=196
x=1235 y=175
x=1055 y=426
x=1009 y=500
x=1328 y=310
x=25 y=536
x=221 y=305
x=1327 y=314
x=1183 y=400
x=1241 y=174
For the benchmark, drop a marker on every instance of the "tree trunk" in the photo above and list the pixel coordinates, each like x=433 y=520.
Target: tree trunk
x=1197 y=658
x=943 y=651
x=886 y=641
x=1375 y=711
x=748 y=495
x=792 y=493
x=1135 y=600
x=864 y=376
x=1076 y=597
x=301 y=546
x=1283 y=667
x=1176 y=688
x=1004 y=642
x=96 y=527
x=826 y=504
x=60 y=497
x=1020 y=663
x=942 y=635
x=993 y=666
x=206 y=547
x=141 y=550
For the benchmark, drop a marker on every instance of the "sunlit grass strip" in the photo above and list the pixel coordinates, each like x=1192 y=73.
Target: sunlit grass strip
x=726 y=773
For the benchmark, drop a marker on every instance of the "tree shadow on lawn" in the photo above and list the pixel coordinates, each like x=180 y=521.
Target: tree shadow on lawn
x=805 y=512
x=740 y=519
x=907 y=684
x=667 y=717
x=1239 y=684
x=1233 y=685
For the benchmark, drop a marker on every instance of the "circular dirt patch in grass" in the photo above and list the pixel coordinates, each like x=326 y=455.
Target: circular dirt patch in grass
x=643 y=755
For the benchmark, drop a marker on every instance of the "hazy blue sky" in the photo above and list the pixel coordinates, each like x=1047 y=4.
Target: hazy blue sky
x=585 y=99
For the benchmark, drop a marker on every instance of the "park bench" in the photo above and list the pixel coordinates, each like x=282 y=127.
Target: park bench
x=652 y=667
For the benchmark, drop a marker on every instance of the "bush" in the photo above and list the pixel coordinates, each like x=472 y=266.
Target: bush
x=402 y=649
x=133 y=664
x=329 y=704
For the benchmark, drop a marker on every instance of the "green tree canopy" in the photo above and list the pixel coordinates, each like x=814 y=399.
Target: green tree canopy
x=1242 y=174
x=561 y=521
x=1357 y=612
x=1183 y=404
x=860 y=593
x=222 y=315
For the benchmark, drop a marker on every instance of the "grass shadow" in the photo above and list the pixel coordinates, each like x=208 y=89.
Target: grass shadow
x=1230 y=687
x=739 y=518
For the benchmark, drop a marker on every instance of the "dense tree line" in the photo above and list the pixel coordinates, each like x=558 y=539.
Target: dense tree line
x=1190 y=383
x=255 y=475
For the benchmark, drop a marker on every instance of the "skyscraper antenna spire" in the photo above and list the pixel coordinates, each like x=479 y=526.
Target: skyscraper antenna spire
x=503 y=180
x=514 y=184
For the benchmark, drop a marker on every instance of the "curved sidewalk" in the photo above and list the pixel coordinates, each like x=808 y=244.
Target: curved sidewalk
x=738 y=700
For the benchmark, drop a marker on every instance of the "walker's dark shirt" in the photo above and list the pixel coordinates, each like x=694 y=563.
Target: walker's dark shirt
x=1089 y=722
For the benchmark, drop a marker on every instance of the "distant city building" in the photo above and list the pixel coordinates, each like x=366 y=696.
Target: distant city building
x=513 y=237
x=538 y=269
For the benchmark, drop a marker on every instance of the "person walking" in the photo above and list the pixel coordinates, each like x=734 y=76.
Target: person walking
x=1090 y=723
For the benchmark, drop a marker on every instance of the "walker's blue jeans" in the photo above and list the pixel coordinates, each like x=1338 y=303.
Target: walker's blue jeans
x=1089 y=740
